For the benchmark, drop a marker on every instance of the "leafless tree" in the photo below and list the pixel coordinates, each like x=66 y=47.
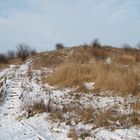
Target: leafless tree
x=23 y=51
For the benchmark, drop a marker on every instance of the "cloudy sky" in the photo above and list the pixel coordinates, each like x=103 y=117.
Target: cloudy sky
x=43 y=23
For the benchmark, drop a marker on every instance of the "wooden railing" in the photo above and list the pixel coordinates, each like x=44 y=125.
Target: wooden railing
x=2 y=82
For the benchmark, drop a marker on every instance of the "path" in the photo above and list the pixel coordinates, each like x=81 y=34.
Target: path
x=10 y=127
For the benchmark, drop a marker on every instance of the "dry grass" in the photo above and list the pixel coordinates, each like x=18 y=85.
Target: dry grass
x=86 y=115
x=73 y=134
x=73 y=66
x=136 y=106
x=108 y=77
x=56 y=116
x=16 y=61
x=11 y=62
x=136 y=112
x=39 y=107
x=49 y=59
x=126 y=59
x=2 y=66
x=35 y=108
x=76 y=54
x=84 y=54
x=72 y=114
x=109 y=118
x=113 y=120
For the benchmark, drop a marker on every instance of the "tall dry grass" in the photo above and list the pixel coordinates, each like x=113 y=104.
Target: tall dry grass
x=109 y=77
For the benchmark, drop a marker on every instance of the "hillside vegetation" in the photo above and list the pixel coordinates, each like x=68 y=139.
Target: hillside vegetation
x=113 y=69
x=80 y=93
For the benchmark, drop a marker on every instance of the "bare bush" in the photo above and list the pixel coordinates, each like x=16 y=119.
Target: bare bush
x=23 y=51
x=96 y=43
x=11 y=54
x=59 y=46
x=3 y=59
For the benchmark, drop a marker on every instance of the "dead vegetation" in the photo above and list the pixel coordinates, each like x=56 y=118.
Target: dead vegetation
x=72 y=114
x=88 y=63
x=34 y=108
x=110 y=118
x=108 y=77
x=73 y=134
x=74 y=66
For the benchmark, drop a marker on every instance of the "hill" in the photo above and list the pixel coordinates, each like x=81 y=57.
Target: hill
x=84 y=92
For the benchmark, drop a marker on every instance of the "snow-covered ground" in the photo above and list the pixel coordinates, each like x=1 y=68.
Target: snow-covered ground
x=20 y=90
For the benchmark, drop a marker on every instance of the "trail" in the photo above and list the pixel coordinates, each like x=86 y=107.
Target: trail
x=10 y=127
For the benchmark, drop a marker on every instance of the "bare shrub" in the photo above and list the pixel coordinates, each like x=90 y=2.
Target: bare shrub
x=11 y=54
x=22 y=51
x=59 y=46
x=3 y=59
x=95 y=43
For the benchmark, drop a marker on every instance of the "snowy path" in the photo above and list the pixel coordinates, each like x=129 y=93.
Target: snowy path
x=10 y=127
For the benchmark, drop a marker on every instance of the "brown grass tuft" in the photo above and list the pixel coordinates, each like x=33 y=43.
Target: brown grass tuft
x=73 y=134
x=35 y=108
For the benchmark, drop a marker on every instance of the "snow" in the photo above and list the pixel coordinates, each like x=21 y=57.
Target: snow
x=19 y=90
x=89 y=85
x=10 y=127
x=120 y=134
x=109 y=60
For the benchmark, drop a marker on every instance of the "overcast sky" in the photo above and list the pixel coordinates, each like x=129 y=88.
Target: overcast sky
x=43 y=23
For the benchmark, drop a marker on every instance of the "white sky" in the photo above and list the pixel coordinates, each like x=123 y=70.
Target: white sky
x=43 y=23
